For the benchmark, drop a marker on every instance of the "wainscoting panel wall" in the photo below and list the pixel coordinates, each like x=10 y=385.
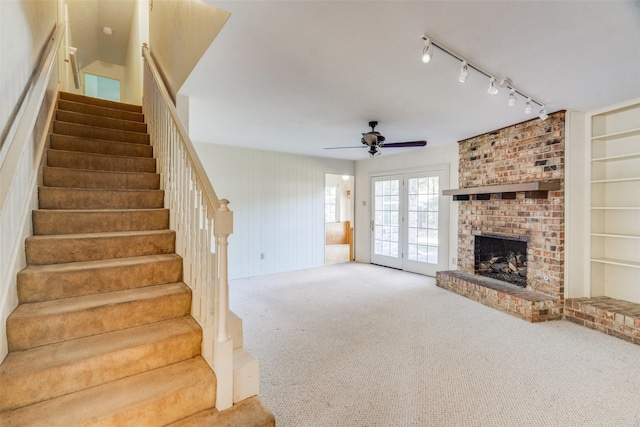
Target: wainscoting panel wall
x=278 y=205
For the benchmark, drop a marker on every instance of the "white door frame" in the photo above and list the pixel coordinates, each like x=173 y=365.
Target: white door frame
x=442 y=171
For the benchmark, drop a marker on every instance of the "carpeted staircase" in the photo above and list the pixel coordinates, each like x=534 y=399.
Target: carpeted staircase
x=103 y=333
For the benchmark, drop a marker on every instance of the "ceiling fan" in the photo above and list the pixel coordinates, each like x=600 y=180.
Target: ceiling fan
x=374 y=141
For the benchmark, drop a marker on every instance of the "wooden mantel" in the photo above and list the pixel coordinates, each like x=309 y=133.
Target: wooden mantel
x=532 y=190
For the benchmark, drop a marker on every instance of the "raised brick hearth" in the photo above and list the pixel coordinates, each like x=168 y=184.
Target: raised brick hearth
x=528 y=152
x=614 y=317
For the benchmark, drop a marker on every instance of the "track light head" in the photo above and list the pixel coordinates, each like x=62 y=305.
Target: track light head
x=427 y=50
x=543 y=113
x=513 y=99
x=464 y=72
x=528 y=107
x=493 y=89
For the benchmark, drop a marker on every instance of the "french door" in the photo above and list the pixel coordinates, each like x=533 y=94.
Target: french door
x=410 y=221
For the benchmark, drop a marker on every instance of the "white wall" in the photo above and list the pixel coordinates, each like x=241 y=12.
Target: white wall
x=25 y=28
x=577 y=160
x=133 y=63
x=278 y=205
x=414 y=160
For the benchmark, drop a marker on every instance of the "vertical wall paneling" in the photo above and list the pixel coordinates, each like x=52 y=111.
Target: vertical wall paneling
x=278 y=205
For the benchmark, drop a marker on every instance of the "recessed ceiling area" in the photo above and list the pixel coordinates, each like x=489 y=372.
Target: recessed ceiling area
x=301 y=76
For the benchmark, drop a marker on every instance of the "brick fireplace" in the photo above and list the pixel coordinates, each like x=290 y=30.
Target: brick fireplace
x=512 y=191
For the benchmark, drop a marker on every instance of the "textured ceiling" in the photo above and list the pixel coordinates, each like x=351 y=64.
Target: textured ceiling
x=299 y=76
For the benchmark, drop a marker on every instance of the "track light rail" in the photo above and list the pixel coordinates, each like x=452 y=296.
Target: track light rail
x=503 y=82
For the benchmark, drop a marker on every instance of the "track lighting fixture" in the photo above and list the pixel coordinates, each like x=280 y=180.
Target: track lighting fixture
x=427 y=50
x=528 y=107
x=495 y=84
x=464 y=72
x=513 y=99
x=543 y=113
x=493 y=89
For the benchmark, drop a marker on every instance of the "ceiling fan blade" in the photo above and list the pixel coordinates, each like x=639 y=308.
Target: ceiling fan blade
x=406 y=144
x=339 y=148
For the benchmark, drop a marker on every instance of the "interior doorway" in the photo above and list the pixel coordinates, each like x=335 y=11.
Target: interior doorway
x=338 y=217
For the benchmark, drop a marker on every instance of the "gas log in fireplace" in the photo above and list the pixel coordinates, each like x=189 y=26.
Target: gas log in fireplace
x=501 y=258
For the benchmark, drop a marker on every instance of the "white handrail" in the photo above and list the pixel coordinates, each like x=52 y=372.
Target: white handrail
x=19 y=167
x=196 y=215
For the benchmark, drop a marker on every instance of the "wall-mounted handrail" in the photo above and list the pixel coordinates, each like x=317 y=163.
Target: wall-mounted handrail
x=19 y=166
x=202 y=224
x=30 y=115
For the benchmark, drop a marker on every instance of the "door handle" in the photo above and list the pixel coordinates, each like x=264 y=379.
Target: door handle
x=372 y=224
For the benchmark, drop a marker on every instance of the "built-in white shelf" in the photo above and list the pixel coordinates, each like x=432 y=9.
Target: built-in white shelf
x=617 y=158
x=617 y=135
x=619 y=262
x=609 y=181
x=616 y=236
x=616 y=208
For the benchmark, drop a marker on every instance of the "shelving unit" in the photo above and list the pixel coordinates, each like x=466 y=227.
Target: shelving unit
x=615 y=203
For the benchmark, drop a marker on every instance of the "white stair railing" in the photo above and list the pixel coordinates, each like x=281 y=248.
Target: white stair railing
x=202 y=224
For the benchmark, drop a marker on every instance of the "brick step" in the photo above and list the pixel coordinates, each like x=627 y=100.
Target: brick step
x=49 y=371
x=48 y=322
x=56 y=281
x=95 y=110
x=84 y=131
x=85 y=145
x=615 y=317
x=63 y=248
x=101 y=122
x=67 y=96
x=80 y=178
x=250 y=412
x=88 y=198
x=154 y=398
x=66 y=221
x=103 y=162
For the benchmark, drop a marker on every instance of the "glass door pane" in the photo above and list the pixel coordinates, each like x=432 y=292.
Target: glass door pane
x=386 y=222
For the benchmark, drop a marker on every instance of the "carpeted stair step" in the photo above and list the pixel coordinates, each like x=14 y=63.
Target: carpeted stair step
x=56 y=281
x=63 y=248
x=102 y=122
x=95 y=110
x=67 y=96
x=80 y=178
x=103 y=162
x=48 y=322
x=66 y=221
x=53 y=370
x=84 y=131
x=248 y=413
x=89 y=198
x=157 y=397
x=113 y=148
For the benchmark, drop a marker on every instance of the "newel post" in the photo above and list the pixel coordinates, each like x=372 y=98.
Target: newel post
x=223 y=344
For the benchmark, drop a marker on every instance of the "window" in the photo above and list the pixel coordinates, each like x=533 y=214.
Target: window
x=331 y=203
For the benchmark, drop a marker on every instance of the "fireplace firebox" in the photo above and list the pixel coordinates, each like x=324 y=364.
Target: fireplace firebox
x=501 y=258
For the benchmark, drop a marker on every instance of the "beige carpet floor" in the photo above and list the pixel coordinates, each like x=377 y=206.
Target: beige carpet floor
x=361 y=345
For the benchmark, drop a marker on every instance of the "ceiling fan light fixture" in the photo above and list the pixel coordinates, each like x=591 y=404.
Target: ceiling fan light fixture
x=427 y=50
x=464 y=72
